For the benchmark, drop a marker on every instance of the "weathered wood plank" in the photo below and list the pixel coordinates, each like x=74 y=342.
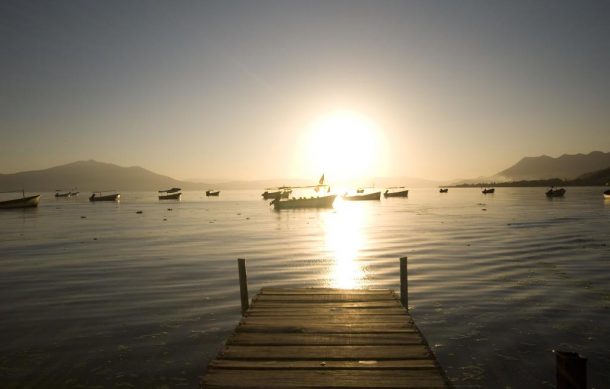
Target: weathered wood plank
x=317 y=365
x=259 y=311
x=303 y=304
x=295 y=339
x=328 y=328
x=324 y=298
x=326 y=319
x=291 y=291
x=223 y=378
x=323 y=353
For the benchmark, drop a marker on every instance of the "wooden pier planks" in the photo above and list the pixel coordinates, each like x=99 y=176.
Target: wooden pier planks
x=325 y=338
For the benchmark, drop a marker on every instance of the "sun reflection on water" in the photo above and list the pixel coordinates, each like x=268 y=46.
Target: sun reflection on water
x=344 y=241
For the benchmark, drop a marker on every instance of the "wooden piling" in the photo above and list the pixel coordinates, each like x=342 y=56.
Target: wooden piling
x=571 y=370
x=404 y=283
x=243 y=285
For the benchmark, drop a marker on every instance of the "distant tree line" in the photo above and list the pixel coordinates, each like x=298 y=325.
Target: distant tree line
x=597 y=178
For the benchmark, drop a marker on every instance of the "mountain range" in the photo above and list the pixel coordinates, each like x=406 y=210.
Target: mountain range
x=99 y=176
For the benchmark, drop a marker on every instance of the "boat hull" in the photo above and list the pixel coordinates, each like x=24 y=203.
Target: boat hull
x=68 y=194
x=26 y=202
x=555 y=192
x=402 y=193
x=311 y=202
x=607 y=194
x=112 y=197
x=443 y=190
x=173 y=196
x=488 y=191
x=212 y=193
x=364 y=197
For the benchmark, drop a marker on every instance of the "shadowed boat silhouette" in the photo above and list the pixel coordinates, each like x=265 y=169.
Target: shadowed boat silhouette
x=100 y=197
x=170 y=194
x=23 y=202
x=555 y=192
x=400 y=193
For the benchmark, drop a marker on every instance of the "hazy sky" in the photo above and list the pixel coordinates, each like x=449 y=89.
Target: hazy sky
x=227 y=89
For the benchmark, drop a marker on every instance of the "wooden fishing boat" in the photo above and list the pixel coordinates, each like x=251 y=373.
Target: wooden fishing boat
x=444 y=190
x=171 y=196
x=100 y=197
x=24 y=202
x=74 y=193
x=172 y=190
x=402 y=193
x=59 y=194
x=304 y=202
x=555 y=192
x=363 y=197
x=279 y=194
x=212 y=193
x=488 y=190
x=607 y=194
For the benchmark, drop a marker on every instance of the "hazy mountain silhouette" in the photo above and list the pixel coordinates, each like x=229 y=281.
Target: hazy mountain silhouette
x=92 y=176
x=545 y=167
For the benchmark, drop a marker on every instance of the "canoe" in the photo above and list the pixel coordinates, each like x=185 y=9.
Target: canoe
x=25 y=202
x=363 y=197
x=402 y=193
x=173 y=196
x=112 y=197
x=444 y=190
x=305 y=202
x=607 y=194
x=555 y=192
x=490 y=190
x=212 y=193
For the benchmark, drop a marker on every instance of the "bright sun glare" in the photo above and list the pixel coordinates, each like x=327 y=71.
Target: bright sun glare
x=344 y=145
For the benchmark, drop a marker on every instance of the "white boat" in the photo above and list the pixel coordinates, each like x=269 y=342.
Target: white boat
x=24 y=202
x=305 y=202
x=607 y=194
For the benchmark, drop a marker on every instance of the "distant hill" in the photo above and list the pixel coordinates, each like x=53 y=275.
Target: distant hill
x=92 y=175
x=544 y=167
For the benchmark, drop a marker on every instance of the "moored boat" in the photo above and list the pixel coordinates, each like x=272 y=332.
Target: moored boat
x=555 y=192
x=607 y=194
x=171 y=196
x=58 y=193
x=24 y=202
x=444 y=190
x=488 y=190
x=100 y=197
x=401 y=193
x=74 y=193
x=304 y=202
x=363 y=197
x=212 y=193
x=278 y=194
x=172 y=190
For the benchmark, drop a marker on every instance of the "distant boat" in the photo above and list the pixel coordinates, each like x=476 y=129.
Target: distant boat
x=24 y=202
x=111 y=197
x=401 y=193
x=172 y=190
x=171 y=196
x=59 y=194
x=363 y=197
x=360 y=190
x=607 y=194
x=555 y=192
x=304 y=202
x=279 y=194
x=74 y=193
x=212 y=193
x=488 y=190
x=444 y=190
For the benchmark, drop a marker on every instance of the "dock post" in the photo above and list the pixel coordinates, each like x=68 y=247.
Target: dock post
x=571 y=370
x=404 y=286
x=243 y=285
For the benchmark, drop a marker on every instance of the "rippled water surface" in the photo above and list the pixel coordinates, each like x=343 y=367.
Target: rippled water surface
x=97 y=295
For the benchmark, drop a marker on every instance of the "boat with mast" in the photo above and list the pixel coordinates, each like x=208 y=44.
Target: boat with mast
x=23 y=202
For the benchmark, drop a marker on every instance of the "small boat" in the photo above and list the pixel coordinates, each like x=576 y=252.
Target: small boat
x=360 y=190
x=212 y=193
x=304 y=202
x=59 y=194
x=172 y=190
x=555 y=192
x=444 y=190
x=402 y=193
x=74 y=193
x=170 y=196
x=24 y=202
x=363 y=197
x=279 y=194
x=607 y=194
x=99 y=197
x=488 y=190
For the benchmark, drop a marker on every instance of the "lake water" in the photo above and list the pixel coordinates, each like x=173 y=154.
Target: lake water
x=97 y=295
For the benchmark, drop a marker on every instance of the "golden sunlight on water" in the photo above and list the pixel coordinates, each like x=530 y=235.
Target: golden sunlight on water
x=345 y=240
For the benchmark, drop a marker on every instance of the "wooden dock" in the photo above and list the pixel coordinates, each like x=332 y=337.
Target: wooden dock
x=325 y=338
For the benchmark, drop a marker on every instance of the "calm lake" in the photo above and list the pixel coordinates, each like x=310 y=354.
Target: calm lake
x=97 y=295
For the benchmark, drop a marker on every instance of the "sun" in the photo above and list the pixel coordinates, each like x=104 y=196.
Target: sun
x=345 y=145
